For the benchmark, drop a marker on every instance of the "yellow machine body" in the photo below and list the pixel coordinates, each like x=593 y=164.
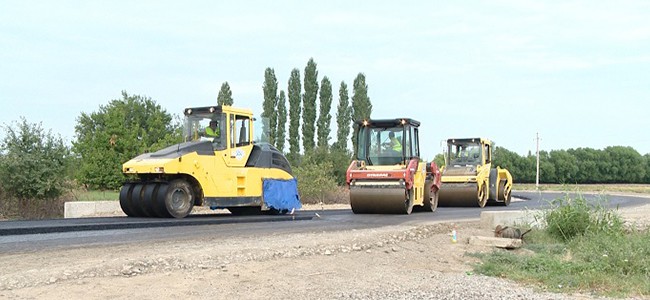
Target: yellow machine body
x=217 y=176
x=224 y=171
x=468 y=178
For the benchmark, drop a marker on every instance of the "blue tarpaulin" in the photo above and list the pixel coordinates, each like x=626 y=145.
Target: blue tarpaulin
x=281 y=194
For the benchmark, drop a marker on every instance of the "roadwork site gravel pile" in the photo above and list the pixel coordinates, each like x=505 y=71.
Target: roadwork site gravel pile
x=396 y=262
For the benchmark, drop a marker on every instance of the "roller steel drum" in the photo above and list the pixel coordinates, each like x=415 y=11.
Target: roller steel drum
x=376 y=199
x=459 y=194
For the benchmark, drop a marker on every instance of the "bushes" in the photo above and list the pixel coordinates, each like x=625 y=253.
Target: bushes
x=576 y=217
x=33 y=163
x=319 y=173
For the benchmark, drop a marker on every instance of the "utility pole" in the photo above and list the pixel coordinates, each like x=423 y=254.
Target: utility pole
x=537 y=177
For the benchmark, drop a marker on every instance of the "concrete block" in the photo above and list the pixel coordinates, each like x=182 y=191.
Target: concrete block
x=90 y=209
x=490 y=219
x=495 y=242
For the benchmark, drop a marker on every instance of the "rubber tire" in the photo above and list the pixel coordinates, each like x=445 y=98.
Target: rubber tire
x=506 y=201
x=159 y=201
x=482 y=202
x=125 y=199
x=136 y=200
x=494 y=176
x=408 y=203
x=179 y=199
x=433 y=203
x=148 y=201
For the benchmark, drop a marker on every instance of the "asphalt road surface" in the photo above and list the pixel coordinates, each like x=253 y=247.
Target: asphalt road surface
x=31 y=236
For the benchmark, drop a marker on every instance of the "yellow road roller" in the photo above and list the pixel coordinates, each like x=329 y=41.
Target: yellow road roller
x=388 y=176
x=468 y=178
x=221 y=164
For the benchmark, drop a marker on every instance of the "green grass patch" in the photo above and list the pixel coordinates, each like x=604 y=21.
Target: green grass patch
x=81 y=195
x=597 y=188
x=585 y=248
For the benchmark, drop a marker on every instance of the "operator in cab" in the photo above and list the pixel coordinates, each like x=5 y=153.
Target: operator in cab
x=394 y=142
x=212 y=130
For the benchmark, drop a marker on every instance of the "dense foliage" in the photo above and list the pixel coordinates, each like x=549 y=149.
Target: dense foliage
x=315 y=176
x=117 y=132
x=324 y=116
x=270 y=89
x=294 y=115
x=281 y=134
x=614 y=164
x=32 y=162
x=361 y=105
x=309 y=106
x=343 y=118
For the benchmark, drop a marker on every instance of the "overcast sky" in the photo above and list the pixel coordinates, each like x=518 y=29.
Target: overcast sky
x=577 y=72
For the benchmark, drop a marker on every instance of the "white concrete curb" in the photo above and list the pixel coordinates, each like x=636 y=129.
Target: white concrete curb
x=490 y=219
x=89 y=209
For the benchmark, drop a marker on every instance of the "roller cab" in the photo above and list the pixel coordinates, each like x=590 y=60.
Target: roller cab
x=468 y=177
x=221 y=164
x=388 y=176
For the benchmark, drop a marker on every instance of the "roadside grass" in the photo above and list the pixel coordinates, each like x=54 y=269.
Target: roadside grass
x=94 y=195
x=584 y=248
x=616 y=188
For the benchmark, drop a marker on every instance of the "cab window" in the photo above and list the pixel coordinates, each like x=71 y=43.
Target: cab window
x=240 y=131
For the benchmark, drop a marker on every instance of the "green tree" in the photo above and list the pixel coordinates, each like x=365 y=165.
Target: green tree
x=270 y=89
x=647 y=168
x=590 y=165
x=343 y=118
x=225 y=95
x=566 y=166
x=340 y=159
x=293 y=91
x=282 y=122
x=583 y=163
x=315 y=177
x=361 y=105
x=547 y=172
x=324 y=116
x=117 y=132
x=33 y=163
x=521 y=168
x=625 y=165
x=309 y=106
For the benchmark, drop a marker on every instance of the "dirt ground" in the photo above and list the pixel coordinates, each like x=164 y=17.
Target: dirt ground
x=395 y=262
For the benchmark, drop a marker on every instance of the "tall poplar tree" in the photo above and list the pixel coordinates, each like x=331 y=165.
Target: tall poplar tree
x=343 y=117
x=282 y=122
x=361 y=106
x=324 y=116
x=225 y=95
x=270 y=89
x=309 y=106
x=294 y=90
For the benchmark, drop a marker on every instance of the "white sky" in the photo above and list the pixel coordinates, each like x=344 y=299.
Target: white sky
x=577 y=72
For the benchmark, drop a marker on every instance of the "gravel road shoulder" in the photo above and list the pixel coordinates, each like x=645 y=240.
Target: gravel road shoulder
x=395 y=262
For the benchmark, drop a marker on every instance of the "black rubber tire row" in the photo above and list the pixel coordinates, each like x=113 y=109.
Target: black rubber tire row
x=155 y=199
